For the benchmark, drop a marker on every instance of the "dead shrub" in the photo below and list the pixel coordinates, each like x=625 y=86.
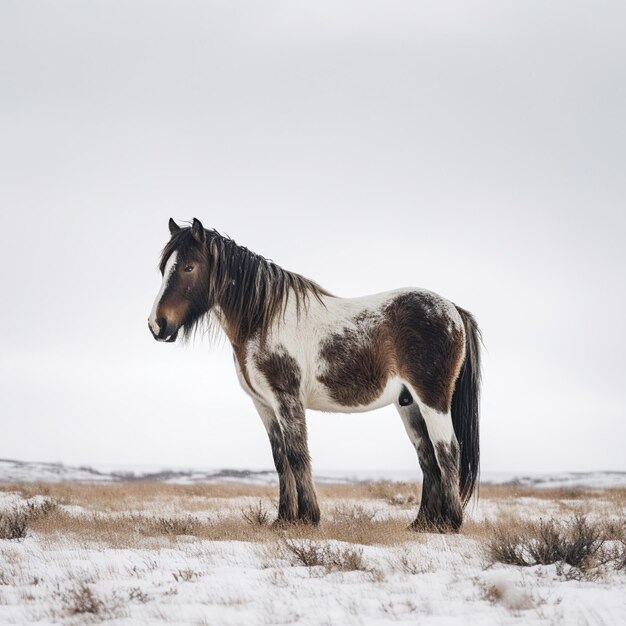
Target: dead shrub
x=582 y=545
x=37 y=509
x=398 y=494
x=617 y=555
x=355 y=515
x=185 y=575
x=614 y=529
x=332 y=558
x=405 y=562
x=576 y=542
x=172 y=526
x=83 y=600
x=345 y=559
x=257 y=515
x=137 y=594
x=504 y=592
x=492 y=593
x=13 y=524
x=307 y=553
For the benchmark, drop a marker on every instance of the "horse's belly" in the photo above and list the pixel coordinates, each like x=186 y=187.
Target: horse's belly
x=320 y=399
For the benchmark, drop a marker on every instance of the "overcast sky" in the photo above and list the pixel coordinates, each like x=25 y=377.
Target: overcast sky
x=477 y=149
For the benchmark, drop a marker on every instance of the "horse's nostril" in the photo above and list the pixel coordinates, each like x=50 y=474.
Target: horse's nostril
x=161 y=323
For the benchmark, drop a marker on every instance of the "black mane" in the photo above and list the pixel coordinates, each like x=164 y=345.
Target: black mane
x=250 y=290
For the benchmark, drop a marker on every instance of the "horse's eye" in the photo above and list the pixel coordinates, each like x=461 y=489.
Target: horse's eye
x=188 y=268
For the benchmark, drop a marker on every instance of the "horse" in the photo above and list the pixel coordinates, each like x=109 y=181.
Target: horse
x=296 y=347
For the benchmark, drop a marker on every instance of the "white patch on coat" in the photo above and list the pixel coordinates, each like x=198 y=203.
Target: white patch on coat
x=439 y=424
x=167 y=273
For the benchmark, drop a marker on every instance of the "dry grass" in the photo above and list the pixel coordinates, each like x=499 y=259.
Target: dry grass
x=83 y=602
x=577 y=542
x=257 y=515
x=509 y=492
x=136 y=514
x=405 y=561
x=333 y=558
x=109 y=495
x=134 y=530
x=13 y=524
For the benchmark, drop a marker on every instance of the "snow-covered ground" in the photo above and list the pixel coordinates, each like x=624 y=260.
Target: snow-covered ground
x=80 y=564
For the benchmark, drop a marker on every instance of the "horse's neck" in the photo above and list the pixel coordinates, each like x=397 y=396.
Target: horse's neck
x=222 y=319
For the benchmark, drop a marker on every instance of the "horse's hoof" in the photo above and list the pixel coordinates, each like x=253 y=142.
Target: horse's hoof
x=433 y=526
x=281 y=523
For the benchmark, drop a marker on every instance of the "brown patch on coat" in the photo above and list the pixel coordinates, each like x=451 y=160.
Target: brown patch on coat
x=281 y=371
x=428 y=353
x=410 y=337
x=357 y=361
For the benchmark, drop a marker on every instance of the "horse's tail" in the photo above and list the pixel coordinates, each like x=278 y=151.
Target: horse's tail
x=466 y=408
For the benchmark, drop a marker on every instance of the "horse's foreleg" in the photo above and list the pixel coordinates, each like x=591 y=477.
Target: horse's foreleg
x=293 y=423
x=288 y=495
x=438 y=454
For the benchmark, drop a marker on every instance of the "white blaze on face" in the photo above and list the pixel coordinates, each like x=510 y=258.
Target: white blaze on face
x=167 y=273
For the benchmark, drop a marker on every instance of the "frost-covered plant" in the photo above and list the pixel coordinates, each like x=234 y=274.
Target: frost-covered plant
x=257 y=515
x=577 y=543
x=331 y=558
x=13 y=524
x=82 y=599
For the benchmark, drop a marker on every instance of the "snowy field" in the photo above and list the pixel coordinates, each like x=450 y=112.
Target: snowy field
x=147 y=552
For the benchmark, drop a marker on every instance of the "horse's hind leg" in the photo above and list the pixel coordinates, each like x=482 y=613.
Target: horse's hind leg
x=438 y=453
x=288 y=495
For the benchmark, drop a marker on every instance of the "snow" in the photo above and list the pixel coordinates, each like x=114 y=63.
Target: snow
x=232 y=583
x=185 y=580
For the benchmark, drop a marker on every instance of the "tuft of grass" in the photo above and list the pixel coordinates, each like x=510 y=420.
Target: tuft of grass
x=332 y=558
x=172 y=526
x=81 y=600
x=577 y=542
x=405 y=561
x=354 y=515
x=138 y=594
x=617 y=555
x=185 y=575
x=13 y=524
x=257 y=515
x=40 y=508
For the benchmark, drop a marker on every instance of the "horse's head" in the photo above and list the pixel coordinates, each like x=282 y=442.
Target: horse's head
x=184 y=295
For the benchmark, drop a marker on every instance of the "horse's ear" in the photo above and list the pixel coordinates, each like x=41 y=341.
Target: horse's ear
x=174 y=227
x=197 y=230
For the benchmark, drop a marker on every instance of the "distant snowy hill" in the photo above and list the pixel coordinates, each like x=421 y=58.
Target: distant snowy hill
x=12 y=471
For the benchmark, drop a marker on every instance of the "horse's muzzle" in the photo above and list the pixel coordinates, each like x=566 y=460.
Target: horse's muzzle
x=166 y=332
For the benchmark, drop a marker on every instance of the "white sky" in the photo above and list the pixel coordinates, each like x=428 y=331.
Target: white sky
x=477 y=149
